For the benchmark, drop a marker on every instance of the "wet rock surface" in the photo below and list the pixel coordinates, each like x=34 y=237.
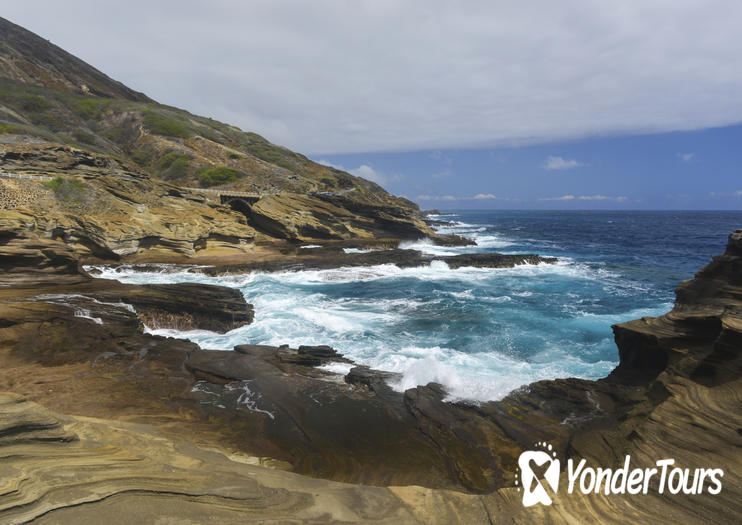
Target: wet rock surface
x=187 y=306
x=328 y=259
x=677 y=386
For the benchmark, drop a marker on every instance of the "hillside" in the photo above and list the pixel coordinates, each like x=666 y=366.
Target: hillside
x=54 y=107
x=48 y=94
x=31 y=59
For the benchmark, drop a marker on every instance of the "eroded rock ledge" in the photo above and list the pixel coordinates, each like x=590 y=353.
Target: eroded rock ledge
x=328 y=259
x=675 y=394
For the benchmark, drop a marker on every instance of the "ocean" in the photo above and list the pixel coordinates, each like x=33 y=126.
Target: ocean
x=481 y=332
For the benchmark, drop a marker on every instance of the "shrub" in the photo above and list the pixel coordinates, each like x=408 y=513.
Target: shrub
x=179 y=169
x=162 y=125
x=119 y=134
x=141 y=156
x=170 y=157
x=67 y=190
x=174 y=165
x=91 y=108
x=46 y=120
x=35 y=103
x=343 y=180
x=22 y=129
x=273 y=154
x=83 y=136
x=6 y=127
x=217 y=176
x=254 y=137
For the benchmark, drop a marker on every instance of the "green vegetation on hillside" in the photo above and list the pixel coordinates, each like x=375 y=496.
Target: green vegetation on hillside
x=91 y=108
x=33 y=103
x=67 y=190
x=178 y=146
x=218 y=176
x=83 y=136
x=174 y=165
x=162 y=125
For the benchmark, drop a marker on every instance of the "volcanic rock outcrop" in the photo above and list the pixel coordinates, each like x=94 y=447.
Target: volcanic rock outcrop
x=674 y=394
x=329 y=258
x=127 y=167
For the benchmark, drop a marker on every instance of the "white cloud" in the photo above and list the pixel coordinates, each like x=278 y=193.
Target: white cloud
x=330 y=164
x=378 y=76
x=586 y=198
x=368 y=173
x=478 y=196
x=562 y=198
x=717 y=194
x=365 y=171
x=437 y=198
x=558 y=163
x=686 y=157
x=594 y=198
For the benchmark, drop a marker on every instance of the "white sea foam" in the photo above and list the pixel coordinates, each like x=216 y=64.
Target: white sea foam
x=466 y=294
x=439 y=217
x=310 y=246
x=344 y=307
x=337 y=368
x=84 y=307
x=427 y=247
x=458 y=229
x=358 y=250
x=164 y=274
x=247 y=397
x=86 y=314
x=478 y=377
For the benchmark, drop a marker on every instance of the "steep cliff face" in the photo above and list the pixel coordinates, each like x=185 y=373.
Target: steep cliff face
x=700 y=338
x=106 y=208
x=102 y=207
x=51 y=100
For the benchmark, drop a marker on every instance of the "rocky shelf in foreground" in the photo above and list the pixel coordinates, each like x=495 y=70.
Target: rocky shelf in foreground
x=675 y=394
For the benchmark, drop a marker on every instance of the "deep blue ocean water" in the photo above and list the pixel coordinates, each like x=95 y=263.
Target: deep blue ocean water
x=483 y=332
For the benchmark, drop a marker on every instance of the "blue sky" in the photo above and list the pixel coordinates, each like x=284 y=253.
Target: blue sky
x=697 y=170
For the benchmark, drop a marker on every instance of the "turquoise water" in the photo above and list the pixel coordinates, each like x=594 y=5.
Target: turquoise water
x=483 y=332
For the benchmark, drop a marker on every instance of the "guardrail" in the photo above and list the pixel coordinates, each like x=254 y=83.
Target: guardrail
x=229 y=193
x=9 y=175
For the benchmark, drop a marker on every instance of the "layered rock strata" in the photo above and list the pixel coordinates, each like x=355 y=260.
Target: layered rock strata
x=675 y=394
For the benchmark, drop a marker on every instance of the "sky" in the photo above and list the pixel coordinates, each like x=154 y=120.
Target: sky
x=479 y=104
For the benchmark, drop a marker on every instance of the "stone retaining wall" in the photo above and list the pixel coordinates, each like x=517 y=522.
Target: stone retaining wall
x=15 y=193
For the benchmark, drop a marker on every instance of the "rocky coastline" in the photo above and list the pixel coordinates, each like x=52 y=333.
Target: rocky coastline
x=75 y=344
x=102 y=421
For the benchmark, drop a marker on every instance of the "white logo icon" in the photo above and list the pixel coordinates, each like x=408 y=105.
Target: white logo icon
x=539 y=477
x=533 y=490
